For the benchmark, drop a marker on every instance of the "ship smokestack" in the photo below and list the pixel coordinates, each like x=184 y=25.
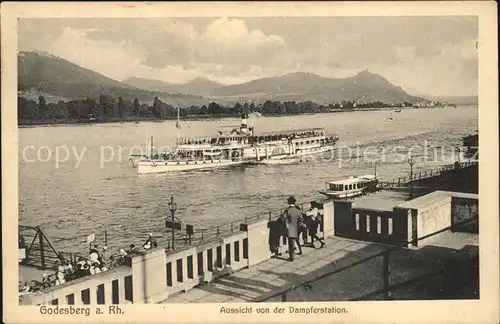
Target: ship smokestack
x=244 y=122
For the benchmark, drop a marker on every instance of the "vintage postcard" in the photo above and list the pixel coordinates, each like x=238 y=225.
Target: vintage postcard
x=244 y=162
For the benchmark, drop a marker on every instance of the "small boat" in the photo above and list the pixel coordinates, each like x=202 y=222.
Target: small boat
x=254 y=114
x=398 y=111
x=390 y=119
x=351 y=187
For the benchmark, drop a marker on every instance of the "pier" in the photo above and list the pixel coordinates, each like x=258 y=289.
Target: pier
x=385 y=245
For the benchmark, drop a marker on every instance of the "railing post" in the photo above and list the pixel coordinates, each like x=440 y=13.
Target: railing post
x=385 y=274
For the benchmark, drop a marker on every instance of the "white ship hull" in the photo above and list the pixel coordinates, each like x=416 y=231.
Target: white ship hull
x=351 y=187
x=146 y=167
x=336 y=195
x=280 y=160
x=314 y=150
x=271 y=151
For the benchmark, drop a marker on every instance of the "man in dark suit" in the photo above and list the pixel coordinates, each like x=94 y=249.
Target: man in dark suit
x=292 y=216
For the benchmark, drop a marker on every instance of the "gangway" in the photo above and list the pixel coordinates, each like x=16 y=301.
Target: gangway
x=36 y=250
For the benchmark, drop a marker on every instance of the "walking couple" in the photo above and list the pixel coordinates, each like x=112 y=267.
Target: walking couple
x=296 y=224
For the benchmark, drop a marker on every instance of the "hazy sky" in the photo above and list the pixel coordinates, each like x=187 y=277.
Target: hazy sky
x=424 y=55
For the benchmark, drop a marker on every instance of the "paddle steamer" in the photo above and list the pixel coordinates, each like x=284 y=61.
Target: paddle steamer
x=234 y=145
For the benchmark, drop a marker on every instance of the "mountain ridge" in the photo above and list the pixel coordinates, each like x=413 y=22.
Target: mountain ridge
x=49 y=74
x=198 y=86
x=46 y=73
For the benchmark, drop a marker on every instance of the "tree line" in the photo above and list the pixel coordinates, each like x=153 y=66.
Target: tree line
x=107 y=108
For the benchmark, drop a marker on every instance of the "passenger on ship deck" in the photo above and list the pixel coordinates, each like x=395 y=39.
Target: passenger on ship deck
x=79 y=271
x=68 y=270
x=292 y=216
x=24 y=288
x=94 y=249
x=94 y=256
x=106 y=256
x=150 y=242
x=60 y=277
x=132 y=249
x=45 y=281
x=94 y=268
x=122 y=254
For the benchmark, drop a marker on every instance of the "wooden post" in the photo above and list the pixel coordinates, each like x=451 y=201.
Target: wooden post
x=283 y=297
x=42 y=250
x=202 y=231
x=270 y=216
x=151 y=156
x=232 y=225
x=105 y=237
x=218 y=231
x=385 y=274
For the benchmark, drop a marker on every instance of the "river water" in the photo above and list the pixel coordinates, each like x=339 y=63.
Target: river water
x=97 y=188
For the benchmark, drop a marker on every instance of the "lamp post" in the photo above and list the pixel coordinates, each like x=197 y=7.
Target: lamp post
x=458 y=151
x=172 y=205
x=411 y=162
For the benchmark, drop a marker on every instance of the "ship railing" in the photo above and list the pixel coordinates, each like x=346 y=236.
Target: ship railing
x=234 y=225
x=423 y=174
x=50 y=257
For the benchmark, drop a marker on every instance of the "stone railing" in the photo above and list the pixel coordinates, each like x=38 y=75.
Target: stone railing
x=154 y=275
x=109 y=287
x=407 y=221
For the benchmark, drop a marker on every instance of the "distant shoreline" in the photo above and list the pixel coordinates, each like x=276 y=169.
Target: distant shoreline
x=28 y=123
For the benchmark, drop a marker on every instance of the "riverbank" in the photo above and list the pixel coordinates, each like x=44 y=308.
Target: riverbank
x=28 y=123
